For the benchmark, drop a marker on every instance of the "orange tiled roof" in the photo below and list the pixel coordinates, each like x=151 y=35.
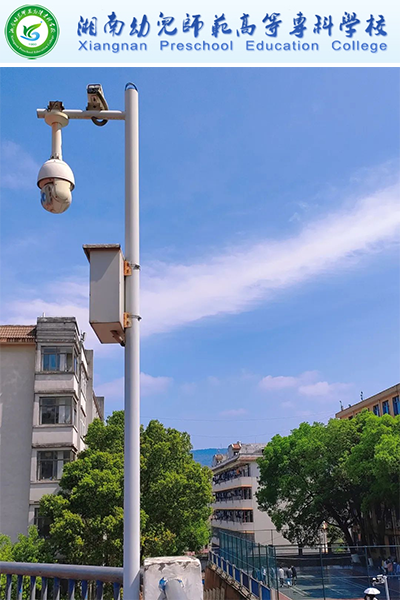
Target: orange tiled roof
x=17 y=333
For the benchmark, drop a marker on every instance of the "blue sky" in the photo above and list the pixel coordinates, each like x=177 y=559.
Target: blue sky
x=269 y=236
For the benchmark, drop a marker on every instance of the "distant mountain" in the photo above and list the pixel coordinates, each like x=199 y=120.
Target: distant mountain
x=204 y=456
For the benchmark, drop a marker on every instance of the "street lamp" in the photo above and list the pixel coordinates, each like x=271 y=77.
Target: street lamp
x=382 y=580
x=56 y=182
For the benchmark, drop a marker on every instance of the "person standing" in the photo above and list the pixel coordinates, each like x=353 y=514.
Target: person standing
x=385 y=566
x=281 y=575
x=288 y=576
x=389 y=568
x=294 y=575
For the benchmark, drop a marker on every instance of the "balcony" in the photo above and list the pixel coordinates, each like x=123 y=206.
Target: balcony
x=232 y=525
x=56 y=382
x=234 y=483
x=233 y=504
x=55 y=435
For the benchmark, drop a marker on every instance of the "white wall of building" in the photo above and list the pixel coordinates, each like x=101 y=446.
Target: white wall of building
x=22 y=434
x=17 y=373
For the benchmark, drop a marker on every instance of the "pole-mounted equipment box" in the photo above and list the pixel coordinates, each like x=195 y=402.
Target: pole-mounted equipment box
x=106 y=305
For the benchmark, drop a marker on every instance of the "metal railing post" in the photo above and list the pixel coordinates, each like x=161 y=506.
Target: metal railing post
x=8 y=586
x=322 y=573
x=32 y=587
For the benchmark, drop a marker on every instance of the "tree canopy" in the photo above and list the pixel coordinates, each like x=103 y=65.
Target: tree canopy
x=346 y=473
x=87 y=514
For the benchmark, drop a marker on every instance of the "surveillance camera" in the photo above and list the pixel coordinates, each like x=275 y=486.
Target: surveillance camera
x=96 y=99
x=56 y=182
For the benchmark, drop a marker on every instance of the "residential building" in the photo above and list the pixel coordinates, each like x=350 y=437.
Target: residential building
x=383 y=403
x=46 y=404
x=235 y=508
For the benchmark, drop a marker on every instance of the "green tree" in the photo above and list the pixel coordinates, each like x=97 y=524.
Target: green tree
x=6 y=555
x=374 y=466
x=87 y=514
x=30 y=548
x=5 y=548
x=340 y=473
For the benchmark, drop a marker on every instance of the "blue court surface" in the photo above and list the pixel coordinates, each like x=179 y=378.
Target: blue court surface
x=337 y=582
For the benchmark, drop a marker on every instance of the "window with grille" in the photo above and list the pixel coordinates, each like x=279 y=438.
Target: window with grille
x=58 y=359
x=50 y=463
x=57 y=410
x=42 y=523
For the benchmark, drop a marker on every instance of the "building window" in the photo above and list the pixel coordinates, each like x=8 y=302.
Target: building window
x=236 y=516
x=82 y=425
x=58 y=359
x=233 y=495
x=57 y=411
x=385 y=407
x=376 y=410
x=42 y=523
x=84 y=382
x=396 y=406
x=50 y=463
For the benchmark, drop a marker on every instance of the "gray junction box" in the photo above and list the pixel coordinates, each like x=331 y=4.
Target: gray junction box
x=106 y=305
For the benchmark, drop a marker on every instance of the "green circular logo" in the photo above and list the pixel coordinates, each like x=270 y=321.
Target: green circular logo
x=32 y=31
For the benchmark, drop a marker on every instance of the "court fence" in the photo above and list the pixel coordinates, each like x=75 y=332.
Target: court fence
x=321 y=572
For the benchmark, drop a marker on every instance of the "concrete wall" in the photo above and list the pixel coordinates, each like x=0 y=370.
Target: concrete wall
x=212 y=581
x=17 y=370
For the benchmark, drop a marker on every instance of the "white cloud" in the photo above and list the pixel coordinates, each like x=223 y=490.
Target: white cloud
x=234 y=412
x=288 y=404
x=154 y=385
x=323 y=388
x=18 y=169
x=237 y=280
x=281 y=382
x=277 y=383
x=307 y=384
x=189 y=388
x=149 y=386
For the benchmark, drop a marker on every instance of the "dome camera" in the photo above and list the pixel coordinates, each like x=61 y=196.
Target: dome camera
x=56 y=182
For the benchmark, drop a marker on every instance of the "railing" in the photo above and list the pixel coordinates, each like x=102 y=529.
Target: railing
x=51 y=575
x=240 y=579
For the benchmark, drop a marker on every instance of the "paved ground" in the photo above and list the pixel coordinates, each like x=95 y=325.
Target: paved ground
x=338 y=583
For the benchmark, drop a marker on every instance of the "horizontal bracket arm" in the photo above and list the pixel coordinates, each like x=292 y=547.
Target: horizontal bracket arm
x=109 y=115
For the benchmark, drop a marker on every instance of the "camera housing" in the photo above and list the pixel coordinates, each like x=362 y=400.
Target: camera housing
x=56 y=182
x=96 y=98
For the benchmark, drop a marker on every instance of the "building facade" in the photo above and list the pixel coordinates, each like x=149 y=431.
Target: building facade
x=46 y=404
x=384 y=403
x=235 y=508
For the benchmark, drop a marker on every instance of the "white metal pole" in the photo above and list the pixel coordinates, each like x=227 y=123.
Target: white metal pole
x=385 y=579
x=132 y=353
x=56 y=141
